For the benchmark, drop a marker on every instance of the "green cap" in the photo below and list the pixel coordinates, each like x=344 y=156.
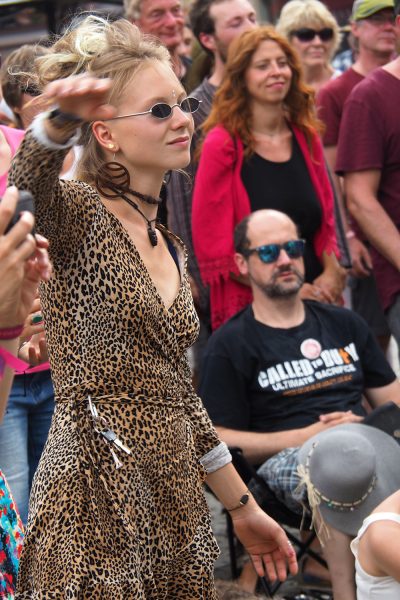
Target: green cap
x=362 y=9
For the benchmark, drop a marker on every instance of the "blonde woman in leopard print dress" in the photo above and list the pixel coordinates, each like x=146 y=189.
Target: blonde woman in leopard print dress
x=117 y=509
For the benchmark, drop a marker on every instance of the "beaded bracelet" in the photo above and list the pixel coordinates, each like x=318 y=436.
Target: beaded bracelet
x=10 y=333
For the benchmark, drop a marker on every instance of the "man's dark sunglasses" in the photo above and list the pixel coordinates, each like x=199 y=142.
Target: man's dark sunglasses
x=162 y=110
x=269 y=253
x=307 y=35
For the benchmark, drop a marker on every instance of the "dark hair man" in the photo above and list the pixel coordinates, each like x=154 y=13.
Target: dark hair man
x=215 y=23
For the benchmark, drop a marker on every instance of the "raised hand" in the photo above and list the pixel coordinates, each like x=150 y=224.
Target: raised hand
x=83 y=96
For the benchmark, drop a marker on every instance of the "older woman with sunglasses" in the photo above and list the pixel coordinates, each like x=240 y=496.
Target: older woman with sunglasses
x=262 y=150
x=117 y=509
x=314 y=33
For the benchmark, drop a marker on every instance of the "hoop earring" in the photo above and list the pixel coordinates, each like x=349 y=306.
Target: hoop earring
x=167 y=177
x=112 y=179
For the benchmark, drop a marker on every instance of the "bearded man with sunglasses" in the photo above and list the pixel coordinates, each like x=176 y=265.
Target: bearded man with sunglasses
x=284 y=369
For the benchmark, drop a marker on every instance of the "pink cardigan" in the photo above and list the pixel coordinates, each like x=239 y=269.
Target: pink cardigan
x=220 y=201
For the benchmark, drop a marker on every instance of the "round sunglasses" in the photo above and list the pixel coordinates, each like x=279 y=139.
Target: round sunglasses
x=307 y=35
x=162 y=110
x=269 y=253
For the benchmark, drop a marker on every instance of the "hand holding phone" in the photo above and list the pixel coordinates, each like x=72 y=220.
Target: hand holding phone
x=25 y=204
x=24 y=259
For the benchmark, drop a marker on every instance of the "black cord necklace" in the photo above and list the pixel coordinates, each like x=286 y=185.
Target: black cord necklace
x=113 y=181
x=151 y=231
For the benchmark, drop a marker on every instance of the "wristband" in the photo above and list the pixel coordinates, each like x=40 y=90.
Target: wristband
x=350 y=234
x=242 y=502
x=10 y=333
x=60 y=119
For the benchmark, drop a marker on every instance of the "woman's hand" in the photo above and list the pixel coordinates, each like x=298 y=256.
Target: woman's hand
x=331 y=283
x=33 y=348
x=332 y=280
x=84 y=96
x=32 y=324
x=360 y=258
x=313 y=292
x=34 y=351
x=23 y=263
x=265 y=541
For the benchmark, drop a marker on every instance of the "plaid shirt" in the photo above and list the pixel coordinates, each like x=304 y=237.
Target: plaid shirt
x=179 y=192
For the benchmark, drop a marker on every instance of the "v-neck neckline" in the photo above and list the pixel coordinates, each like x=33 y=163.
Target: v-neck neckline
x=163 y=231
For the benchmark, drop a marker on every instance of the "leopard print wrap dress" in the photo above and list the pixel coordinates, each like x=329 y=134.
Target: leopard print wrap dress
x=123 y=520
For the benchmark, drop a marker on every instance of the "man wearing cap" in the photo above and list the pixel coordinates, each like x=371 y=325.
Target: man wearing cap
x=284 y=369
x=372 y=27
x=369 y=159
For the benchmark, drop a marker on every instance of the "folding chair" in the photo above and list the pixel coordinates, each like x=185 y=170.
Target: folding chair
x=278 y=511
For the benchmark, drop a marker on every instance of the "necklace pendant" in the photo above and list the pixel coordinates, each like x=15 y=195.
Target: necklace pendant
x=152 y=236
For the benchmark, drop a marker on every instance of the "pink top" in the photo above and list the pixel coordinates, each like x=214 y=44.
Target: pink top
x=14 y=138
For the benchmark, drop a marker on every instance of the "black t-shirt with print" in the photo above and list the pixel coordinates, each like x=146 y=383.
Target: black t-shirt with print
x=260 y=378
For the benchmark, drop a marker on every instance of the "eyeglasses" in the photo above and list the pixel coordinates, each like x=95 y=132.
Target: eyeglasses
x=163 y=110
x=269 y=253
x=307 y=35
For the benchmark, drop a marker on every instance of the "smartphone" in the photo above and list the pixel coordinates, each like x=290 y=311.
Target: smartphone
x=25 y=203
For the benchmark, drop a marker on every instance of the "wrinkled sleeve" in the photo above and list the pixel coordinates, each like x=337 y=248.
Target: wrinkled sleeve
x=366 y=150
x=211 y=452
x=330 y=114
x=59 y=212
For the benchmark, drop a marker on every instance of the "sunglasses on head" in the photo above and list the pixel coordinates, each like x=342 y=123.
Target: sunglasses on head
x=269 y=253
x=31 y=90
x=162 y=110
x=307 y=35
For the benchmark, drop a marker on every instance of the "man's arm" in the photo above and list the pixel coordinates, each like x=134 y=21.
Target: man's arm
x=360 y=257
x=361 y=193
x=258 y=447
x=381 y=395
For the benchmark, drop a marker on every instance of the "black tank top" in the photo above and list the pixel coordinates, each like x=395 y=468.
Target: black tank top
x=287 y=186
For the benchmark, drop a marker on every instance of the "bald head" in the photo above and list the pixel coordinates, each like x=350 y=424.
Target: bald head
x=270 y=255
x=263 y=227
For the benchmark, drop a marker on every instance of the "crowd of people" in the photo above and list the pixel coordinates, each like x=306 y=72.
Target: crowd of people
x=208 y=192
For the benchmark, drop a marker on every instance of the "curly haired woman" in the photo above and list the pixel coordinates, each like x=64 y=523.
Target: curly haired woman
x=262 y=150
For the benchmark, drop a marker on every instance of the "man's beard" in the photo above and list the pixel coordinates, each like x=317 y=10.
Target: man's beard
x=276 y=289
x=222 y=50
